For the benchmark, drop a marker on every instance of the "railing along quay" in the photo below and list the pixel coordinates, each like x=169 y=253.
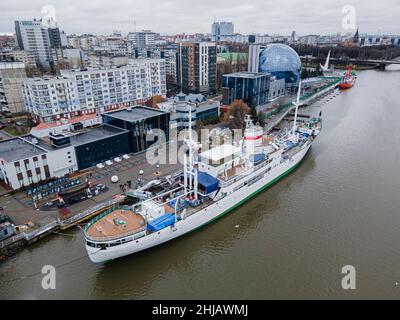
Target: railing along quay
x=28 y=236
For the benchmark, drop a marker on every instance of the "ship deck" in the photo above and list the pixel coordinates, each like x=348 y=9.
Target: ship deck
x=116 y=223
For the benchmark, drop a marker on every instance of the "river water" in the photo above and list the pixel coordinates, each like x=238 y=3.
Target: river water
x=340 y=207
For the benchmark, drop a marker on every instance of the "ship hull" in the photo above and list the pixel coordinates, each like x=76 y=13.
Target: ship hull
x=204 y=216
x=346 y=85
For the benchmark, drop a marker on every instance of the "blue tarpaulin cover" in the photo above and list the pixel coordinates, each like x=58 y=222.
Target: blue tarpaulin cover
x=289 y=145
x=209 y=183
x=257 y=157
x=161 y=222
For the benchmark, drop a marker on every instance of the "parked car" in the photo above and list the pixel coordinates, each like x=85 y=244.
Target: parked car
x=101 y=186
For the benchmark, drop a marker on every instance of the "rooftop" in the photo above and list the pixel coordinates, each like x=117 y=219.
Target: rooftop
x=135 y=113
x=220 y=152
x=42 y=126
x=246 y=74
x=18 y=149
x=94 y=134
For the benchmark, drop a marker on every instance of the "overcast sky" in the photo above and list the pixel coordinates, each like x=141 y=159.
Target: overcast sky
x=189 y=16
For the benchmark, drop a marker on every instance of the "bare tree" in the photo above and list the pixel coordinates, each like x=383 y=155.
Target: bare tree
x=237 y=111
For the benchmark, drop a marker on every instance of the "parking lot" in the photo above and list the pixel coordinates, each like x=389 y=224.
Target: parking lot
x=19 y=206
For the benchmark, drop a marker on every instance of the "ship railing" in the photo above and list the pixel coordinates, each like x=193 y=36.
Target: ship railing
x=88 y=212
x=103 y=214
x=226 y=183
x=36 y=233
x=117 y=236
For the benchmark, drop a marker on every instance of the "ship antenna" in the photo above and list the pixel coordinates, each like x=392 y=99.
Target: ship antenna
x=297 y=107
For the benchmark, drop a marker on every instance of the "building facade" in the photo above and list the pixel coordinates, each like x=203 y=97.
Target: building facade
x=22 y=163
x=182 y=105
x=106 y=61
x=197 y=67
x=34 y=38
x=141 y=123
x=12 y=75
x=27 y=160
x=277 y=88
x=81 y=92
x=142 y=39
x=168 y=53
x=50 y=99
x=252 y=88
x=221 y=30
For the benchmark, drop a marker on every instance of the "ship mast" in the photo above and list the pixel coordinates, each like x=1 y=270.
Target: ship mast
x=297 y=107
x=189 y=172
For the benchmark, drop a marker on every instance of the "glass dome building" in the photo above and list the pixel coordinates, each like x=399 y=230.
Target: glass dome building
x=281 y=61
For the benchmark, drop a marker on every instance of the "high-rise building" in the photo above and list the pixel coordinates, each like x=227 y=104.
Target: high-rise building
x=33 y=37
x=54 y=37
x=197 y=67
x=12 y=75
x=226 y=29
x=221 y=30
x=81 y=92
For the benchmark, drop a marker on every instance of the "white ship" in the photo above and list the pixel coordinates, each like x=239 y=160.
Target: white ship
x=213 y=183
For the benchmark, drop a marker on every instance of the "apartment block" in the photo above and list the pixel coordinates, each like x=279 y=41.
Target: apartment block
x=93 y=91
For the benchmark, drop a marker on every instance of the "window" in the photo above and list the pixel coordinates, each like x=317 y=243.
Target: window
x=17 y=167
x=44 y=159
x=27 y=165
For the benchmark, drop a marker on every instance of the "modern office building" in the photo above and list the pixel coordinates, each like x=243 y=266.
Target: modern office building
x=12 y=75
x=277 y=59
x=97 y=145
x=93 y=91
x=197 y=67
x=251 y=87
x=33 y=37
x=140 y=122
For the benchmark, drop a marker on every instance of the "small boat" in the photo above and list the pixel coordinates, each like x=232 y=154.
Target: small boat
x=349 y=79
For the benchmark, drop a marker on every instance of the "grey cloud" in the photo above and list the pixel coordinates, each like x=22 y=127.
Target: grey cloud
x=189 y=16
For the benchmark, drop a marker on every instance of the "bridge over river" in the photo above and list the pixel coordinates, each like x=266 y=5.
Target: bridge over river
x=382 y=63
